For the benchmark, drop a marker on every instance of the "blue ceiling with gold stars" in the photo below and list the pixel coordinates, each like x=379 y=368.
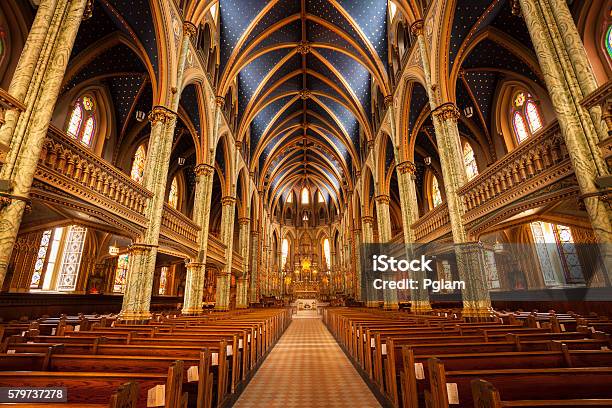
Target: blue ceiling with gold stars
x=312 y=79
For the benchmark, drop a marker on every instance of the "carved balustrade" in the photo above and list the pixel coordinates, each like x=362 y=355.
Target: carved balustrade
x=432 y=225
x=73 y=168
x=179 y=227
x=536 y=163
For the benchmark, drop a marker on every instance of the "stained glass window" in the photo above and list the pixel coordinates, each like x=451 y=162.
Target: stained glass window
x=82 y=123
x=40 y=259
x=123 y=262
x=140 y=157
x=54 y=255
x=71 y=260
x=284 y=252
x=305 y=196
x=492 y=275
x=609 y=41
x=569 y=254
x=163 y=280
x=436 y=195
x=290 y=198
x=533 y=117
x=520 y=129
x=327 y=252
x=320 y=197
x=542 y=239
x=469 y=161
x=173 y=195
x=76 y=119
x=526 y=118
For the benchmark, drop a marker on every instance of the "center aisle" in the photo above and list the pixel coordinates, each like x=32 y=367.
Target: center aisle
x=307 y=369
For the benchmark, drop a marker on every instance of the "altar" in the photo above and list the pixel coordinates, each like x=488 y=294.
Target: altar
x=306 y=304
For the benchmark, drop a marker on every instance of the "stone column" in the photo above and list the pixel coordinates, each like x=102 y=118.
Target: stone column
x=49 y=46
x=385 y=234
x=254 y=295
x=196 y=270
x=242 y=288
x=568 y=78
x=419 y=298
x=367 y=226
x=227 y=237
x=476 y=298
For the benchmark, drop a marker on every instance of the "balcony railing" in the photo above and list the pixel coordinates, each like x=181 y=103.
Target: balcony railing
x=432 y=225
x=216 y=250
x=179 y=227
x=73 y=168
x=538 y=162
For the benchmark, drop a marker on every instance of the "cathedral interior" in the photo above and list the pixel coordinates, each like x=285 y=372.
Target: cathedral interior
x=234 y=158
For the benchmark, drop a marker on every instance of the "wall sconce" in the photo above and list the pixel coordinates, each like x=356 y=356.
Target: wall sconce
x=140 y=115
x=427 y=161
x=468 y=111
x=181 y=161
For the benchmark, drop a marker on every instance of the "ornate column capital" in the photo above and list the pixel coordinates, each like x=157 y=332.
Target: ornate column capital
x=189 y=29
x=447 y=111
x=383 y=199
x=161 y=114
x=204 y=170
x=254 y=233
x=220 y=101
x=367 y=219
x=305 y=94
x=371 y=144
x=407 y=167
x=228 y=200
x=416 y=28
x=388 y=101
x=244 y=220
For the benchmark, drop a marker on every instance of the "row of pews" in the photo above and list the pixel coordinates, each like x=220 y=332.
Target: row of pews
x=441 y=360
x=172 y=361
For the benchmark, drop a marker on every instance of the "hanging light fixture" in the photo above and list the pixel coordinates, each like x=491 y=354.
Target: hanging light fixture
x=113 y=250
x=181 y=161
x=468 y=111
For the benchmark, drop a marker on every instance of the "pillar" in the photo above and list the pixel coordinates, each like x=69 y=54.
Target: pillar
x=367 y=226
x=470 y=264
x=242 y=301
x=385 y=235
x=196 y=270
x=419 y=297
x=254 y=295
x=227 y=237
x=569 y=79
x=36 y=83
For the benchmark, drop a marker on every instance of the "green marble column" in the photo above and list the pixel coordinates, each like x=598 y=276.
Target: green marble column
x=50 y=44
x=385 y=234
x=227 y=237
x=476 y=299
x=419 y=298
x=138 y=290
x=196 y=270
x=242 y=288
x=568 y=79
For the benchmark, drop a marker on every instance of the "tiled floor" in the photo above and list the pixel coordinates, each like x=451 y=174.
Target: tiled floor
x=307 y=369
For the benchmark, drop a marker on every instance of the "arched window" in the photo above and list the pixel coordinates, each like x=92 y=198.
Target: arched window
x=290 y=197
x=173 y=195
x=163 y=280
x=320 y=197
x=436 y=195
x=469 y=161
x=82 y=120
x=284 y=252
x=305 y=196
x=609 y=41
x=138 y=165
x=526 y=117
x=123 y=261
x=327 y=252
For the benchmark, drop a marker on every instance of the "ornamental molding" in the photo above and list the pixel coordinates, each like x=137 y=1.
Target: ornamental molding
x=228 y=200
x=383 y=199
x=204 y=170
x=161 y=114
x=189 y=29
x=417 y=28
x=407 y=167
x=303 y=47
x=446 y=111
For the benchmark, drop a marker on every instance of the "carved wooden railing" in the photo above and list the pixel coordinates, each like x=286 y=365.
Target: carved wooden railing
x=73 y=168
x=179 y=227
x=237 y=262
x=432 y=225
x=603 y=97
x=7 y=102
x=537 y=162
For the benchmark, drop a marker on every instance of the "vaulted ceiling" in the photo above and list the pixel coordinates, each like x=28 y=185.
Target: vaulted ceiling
x=305 y=71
